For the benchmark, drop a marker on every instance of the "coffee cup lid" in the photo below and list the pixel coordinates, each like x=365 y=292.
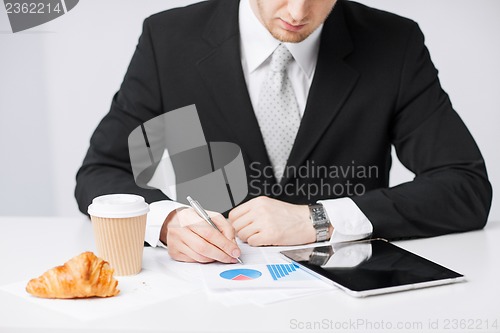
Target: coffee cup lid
x=118 y=206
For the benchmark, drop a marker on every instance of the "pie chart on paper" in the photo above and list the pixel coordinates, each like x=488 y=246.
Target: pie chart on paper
x=241 y=274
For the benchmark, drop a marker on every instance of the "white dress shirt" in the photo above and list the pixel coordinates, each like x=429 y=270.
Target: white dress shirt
x=257 y=46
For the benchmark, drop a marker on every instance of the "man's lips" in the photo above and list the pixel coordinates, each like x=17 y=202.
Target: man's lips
x=291 y=27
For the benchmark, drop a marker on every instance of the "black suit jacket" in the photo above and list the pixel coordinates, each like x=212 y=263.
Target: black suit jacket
x=374 y=86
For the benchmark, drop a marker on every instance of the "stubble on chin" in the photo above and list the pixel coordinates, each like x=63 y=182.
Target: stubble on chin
x=289 y=37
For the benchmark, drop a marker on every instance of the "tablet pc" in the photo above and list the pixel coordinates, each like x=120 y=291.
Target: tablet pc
x=371 y=267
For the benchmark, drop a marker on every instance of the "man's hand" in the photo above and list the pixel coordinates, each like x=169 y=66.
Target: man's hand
x=266 y=221
x=191 y=239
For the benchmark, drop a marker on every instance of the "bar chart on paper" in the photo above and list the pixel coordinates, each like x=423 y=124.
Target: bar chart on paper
x=284 y=272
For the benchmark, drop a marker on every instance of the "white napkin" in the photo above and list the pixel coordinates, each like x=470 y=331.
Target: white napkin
x=138 y=291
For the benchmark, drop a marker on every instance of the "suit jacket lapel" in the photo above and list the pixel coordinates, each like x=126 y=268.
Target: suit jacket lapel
x=331 y=86
x=223 y=75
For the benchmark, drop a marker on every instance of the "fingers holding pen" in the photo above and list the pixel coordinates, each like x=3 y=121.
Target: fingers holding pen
x=215 y=244
x=190 y=238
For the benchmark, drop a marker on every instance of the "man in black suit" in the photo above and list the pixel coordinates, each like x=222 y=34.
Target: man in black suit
x=359 y=80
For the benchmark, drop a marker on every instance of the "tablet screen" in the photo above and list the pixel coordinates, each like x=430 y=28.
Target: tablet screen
x=371 y=266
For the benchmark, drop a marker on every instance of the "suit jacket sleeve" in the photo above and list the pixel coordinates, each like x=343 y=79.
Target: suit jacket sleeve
x=106 y=168
x=451 y=191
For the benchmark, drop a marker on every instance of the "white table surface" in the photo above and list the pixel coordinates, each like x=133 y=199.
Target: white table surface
x=29 y=246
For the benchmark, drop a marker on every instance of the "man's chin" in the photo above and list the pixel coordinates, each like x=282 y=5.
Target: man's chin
x=290 y=37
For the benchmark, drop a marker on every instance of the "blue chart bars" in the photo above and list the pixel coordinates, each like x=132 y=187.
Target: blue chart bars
x=280 y=271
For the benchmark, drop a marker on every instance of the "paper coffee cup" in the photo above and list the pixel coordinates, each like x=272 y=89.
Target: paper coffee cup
x=119 y=223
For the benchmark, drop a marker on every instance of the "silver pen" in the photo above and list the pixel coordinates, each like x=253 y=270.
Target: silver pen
x=203 y=214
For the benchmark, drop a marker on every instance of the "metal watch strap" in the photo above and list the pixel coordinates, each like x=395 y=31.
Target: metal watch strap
x=320 y=221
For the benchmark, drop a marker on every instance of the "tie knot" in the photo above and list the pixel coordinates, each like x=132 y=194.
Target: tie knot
x=280 y=59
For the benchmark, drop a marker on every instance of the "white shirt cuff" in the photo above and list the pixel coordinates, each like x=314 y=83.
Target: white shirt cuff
x=348 y=221
x=158 y=212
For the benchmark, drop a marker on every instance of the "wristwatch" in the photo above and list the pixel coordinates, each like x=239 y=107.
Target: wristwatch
x=320 y=221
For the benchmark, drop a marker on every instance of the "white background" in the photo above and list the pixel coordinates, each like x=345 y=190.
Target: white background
x=57 y=81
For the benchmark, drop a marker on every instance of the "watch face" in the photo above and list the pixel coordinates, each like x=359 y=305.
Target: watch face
x=320 y=214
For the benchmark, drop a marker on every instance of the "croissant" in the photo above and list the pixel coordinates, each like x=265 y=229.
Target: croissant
x=82 y=276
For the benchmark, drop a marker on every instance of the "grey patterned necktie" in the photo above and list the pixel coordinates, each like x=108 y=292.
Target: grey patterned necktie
x=278 y=112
